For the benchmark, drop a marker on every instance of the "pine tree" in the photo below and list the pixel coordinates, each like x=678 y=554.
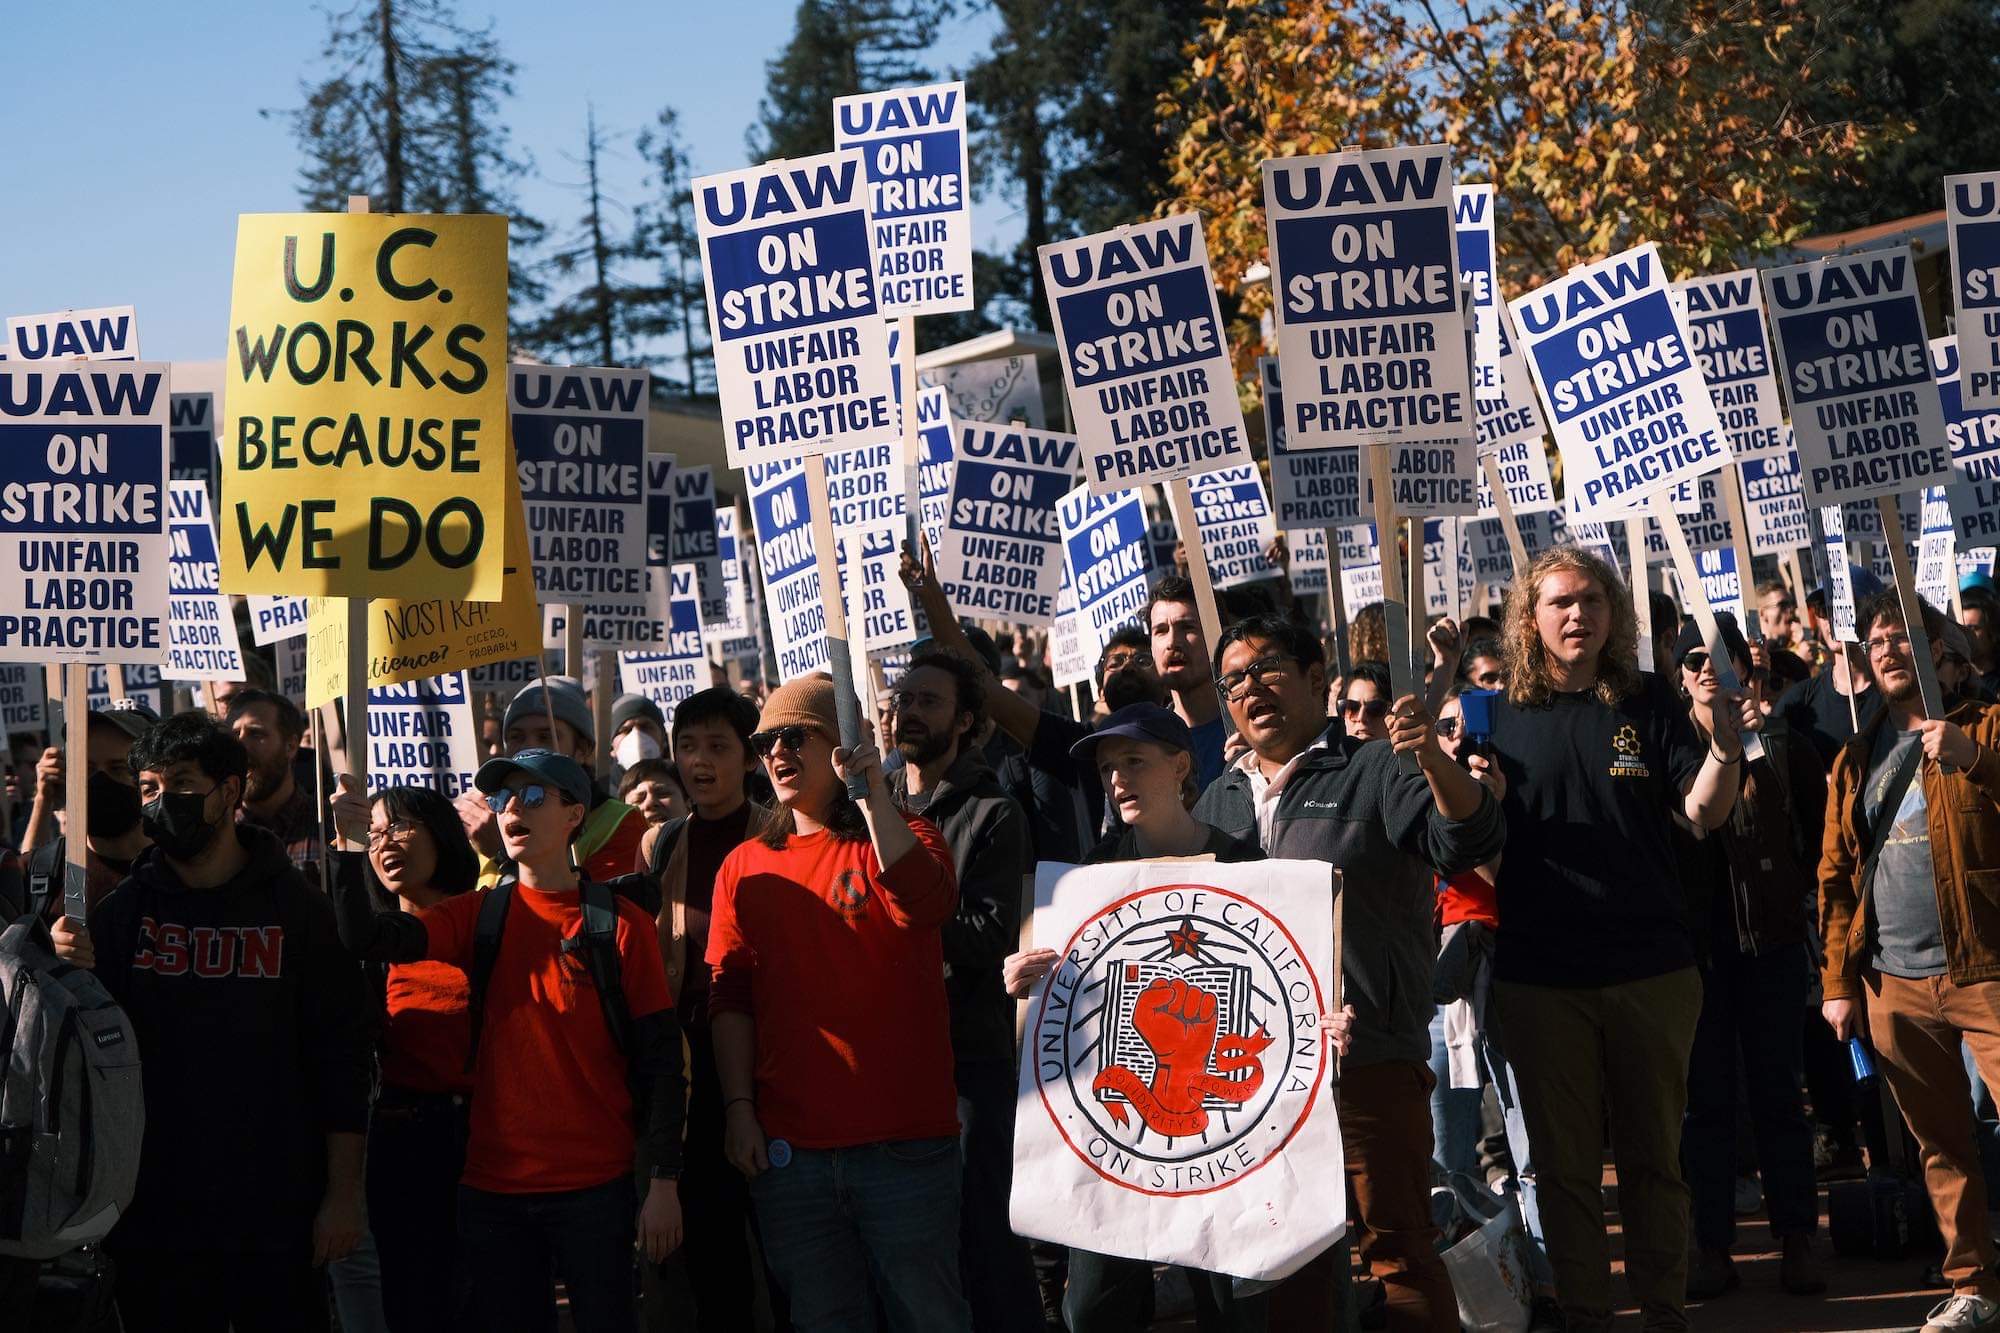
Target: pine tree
x=477 y=168
x=839 y=47
x=664 y=236
x=594 y=322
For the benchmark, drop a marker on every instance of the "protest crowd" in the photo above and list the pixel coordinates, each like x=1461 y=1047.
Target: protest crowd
x=726 y=973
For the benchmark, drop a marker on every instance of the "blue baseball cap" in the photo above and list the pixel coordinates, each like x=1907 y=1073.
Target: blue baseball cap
x=1139 y=722
x=555 y=770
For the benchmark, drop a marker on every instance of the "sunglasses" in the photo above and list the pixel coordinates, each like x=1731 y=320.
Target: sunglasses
x=793 y=738
x=1696 y=661
x=1372 y=709
x=530 y=797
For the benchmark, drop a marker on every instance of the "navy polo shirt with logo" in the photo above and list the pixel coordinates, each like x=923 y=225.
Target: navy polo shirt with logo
x=1588 y=893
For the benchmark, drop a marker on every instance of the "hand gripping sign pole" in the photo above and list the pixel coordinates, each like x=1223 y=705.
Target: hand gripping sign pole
x=1662 y=505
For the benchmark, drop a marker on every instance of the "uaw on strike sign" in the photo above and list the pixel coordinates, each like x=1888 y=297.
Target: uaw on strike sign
x=1174 y=1096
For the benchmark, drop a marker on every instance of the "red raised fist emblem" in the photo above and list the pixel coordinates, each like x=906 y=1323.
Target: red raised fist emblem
x=1177 y=1021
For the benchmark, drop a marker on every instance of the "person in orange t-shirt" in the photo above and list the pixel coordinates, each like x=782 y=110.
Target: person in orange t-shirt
x=557 y=1104
x=832 y=1033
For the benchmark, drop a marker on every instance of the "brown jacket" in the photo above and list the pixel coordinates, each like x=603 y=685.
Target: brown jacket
x=669 y=858
x=1964 y=817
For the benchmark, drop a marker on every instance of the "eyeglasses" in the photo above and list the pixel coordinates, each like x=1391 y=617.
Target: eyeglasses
x=1119 y=661
x=1897 y=642
x=1259 y=672
x=531 y=797
x=399 y=830
x=904 y=700
x=1372 y=709
x=793 y=738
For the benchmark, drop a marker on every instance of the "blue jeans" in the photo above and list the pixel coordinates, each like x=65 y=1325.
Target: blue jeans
x=1985 y=1123
x=1454 y=1111
x=999 y=1277
x=1501 y=1075
x=509 y=1242
x=357 y=1288
x=1749 y=1006
x=844 y=1228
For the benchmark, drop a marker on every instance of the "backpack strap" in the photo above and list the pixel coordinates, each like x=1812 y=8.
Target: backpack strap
x=485 y=949
x=47 y=874
x=600 y=950
x=1893 y=788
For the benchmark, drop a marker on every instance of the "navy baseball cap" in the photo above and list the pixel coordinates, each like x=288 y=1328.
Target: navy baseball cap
x=1139 y=722
x=555 y=770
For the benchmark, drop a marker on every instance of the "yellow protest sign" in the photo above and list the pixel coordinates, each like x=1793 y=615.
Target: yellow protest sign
x=412 y=640
x=365 y=441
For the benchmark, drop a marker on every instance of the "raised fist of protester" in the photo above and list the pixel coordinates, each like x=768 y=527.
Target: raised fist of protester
x=1022 y=970
x=1946 y=745
x=72 y=942
x=743 y=1139
x=350 y=813
x=1279 y=553
x=482 y=826
x=1839 y=1015
x=864 y=759
x=660 y=1231
x=49 y=776
x=1410 y=729
x=1725 y=712
x=1447 y=644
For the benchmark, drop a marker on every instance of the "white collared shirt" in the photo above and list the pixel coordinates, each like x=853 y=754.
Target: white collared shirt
x=1264 y=791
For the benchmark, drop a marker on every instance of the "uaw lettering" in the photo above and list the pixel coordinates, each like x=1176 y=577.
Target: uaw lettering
x=1234 y=519
x=201 y=628
x=365 y=442
x=580 y=449
x=781 y=514
x=1104 y=548
x=1974 y=436
x=1313 y=489
x=1524 y=473
x=83 y=512
x=1143 y=353
x=801 y=349
x=877 y=601
x=934 y=461
x=110 y=333
x=421 y=733
x=671 y=675
x=1609 y=354
x=1503 y=397
x=1865 y=410
x=694 y=541
x=192 y=435
x=1725 y=320
x=1003 y=548
x=1775 y=503
x=1364 y=275
x=1972 y=221
x=914 y=144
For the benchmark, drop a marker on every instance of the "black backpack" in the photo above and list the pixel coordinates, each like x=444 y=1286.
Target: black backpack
x=47 y=872
x=597 y=940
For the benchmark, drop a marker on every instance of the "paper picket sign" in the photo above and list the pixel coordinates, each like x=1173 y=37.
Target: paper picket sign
x=1503 y=398
x=1238 y=1171
x=1487 y=551
x=612 y=628
x=1364 y=281
x=275 y=619
x=680 y=668
x=416 y=639
x=1360 y=566
x=1070 y=660
x=1524 y=472
x=202 y=643
x=23 y=698
x=1431 y=478
x=696 y=541
x=734 y=623
x=506 y=679
x=143 y=682
x=1308 y=562
x=1104 y=548
x=290 y=658
x=1313 y=489
x=935 y=432
x=1609 y=354
x=1972 y=222
x=881 y=605
x=108 y=333
x=1863 y=519
x=1234 y=516
x=865 y=488
x=1775 y=502
x=1721 y=581
x=191 y=436
x=1707 y=529
x=1440 y=567
x=1979 y=560
x=1974 y=435
x=580 y=448
x=366 y=464
x=1002 y=556
x=1161 y=540
x=1144 y=357
x=998 y=390
x=781 y=514
x=1936 y=572
x=914 y=143
x=83 y=512
x=801 y=349
x=1839 y=582
x=1732 y=345
x=1865 y=411
x=421 y=733
x=98 y=689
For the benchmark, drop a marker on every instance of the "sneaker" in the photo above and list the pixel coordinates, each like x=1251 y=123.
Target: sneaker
x=1962 y=1311
x=1798 y=1271
x=1710 y=1273
x=1749 y=1196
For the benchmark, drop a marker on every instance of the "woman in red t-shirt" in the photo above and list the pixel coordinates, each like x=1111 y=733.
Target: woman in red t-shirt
x=832 y=1033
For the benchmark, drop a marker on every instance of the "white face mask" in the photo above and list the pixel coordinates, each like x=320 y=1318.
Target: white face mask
x=635 y=746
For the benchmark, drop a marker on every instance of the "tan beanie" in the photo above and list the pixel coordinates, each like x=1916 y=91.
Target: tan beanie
x=805 y=701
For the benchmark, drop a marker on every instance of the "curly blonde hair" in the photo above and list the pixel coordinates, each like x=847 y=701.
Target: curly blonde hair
x=1528 y=678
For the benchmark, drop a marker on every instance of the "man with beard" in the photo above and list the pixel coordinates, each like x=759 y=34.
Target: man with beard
x=1909 y=893
x=938 y=708
x=1180 y=655
x=255 y=1030
x=270 y=727
x=114 y=837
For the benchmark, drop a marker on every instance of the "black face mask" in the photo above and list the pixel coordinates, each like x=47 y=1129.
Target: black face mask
x=177 y=822
x=114 y=807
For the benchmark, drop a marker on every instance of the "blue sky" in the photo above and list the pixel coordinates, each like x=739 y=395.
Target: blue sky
x=135 y=134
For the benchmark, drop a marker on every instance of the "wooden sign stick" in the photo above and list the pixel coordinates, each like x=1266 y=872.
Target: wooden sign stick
x=847 y=708
x=356 y=720
x=912 y=440
x=1510 y=523
x=1731 y=482
x=1697 y=603
x=1395 y=607
x=1913 y=620
x=1419 y=605
x=76 y=785
x=1336 y=601
x=1181 y=500
x=1642 y=595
